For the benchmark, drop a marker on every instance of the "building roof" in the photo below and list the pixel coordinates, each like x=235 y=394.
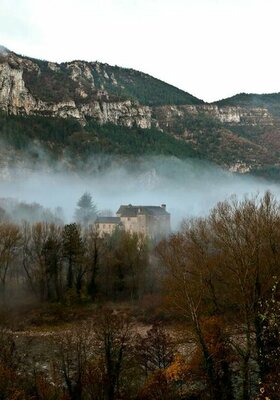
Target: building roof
x=132 y=211
x=108 y=220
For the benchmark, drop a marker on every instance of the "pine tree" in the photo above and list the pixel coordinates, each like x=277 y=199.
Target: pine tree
x=86 y=212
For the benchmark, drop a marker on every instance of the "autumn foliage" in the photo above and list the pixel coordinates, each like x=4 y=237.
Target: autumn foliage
x=220 y=281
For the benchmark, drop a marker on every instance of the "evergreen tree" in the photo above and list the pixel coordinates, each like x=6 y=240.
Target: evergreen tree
x=73 y=251
x=86 y=212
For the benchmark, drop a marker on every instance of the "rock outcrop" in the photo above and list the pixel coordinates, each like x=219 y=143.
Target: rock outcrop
x=167 y=116
x=88 y=98
x=16 y=98
x=239 y=133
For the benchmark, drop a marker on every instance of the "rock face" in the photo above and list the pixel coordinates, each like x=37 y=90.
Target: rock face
x=124 y=113
x=240 y=139
x=167 y=116
x=239 y=115
x=16 y=98
x=239 y=133
x=23 y=81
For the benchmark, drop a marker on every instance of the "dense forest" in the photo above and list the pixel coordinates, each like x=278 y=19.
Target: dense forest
x=66 y=139
x=194 y=316
x=62 y=137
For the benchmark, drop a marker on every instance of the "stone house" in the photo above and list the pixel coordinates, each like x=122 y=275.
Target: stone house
x=107 y=225
x=151 y=221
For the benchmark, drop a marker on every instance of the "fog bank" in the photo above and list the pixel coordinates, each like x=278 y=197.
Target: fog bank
x=188 y=188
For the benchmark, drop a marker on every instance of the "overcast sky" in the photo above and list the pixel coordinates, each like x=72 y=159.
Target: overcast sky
x=209 y=48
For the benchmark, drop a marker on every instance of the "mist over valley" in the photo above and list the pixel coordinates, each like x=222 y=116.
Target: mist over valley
x=139 y=200
x=189 y=188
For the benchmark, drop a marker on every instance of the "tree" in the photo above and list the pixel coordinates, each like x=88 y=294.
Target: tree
x=223 y=266
x=155 y=350
x=93 y=249
x=113 y=344
x=270 y=317
x=9 y=243
x=42 y=258
x=86 y=212
x=75 y=351
x=125 y=262
x=186 y=293
x=247 y=235
x=73 y=251
x=52 y=253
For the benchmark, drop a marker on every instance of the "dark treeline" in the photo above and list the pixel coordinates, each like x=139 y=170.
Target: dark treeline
x=220 y=282
x=60 y=137
x=70 y=263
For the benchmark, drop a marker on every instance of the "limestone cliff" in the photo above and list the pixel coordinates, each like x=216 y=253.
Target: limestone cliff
x=167 y=116
x=240 y=133
x=17 y=98
x=80 y=89
x=238 y=138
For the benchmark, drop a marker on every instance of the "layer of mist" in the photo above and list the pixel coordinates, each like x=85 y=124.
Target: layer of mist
x=189 y=188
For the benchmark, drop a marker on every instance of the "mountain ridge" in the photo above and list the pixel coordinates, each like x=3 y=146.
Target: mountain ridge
x=240 y=133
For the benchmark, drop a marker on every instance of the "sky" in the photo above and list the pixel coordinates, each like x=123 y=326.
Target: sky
x=210 y=48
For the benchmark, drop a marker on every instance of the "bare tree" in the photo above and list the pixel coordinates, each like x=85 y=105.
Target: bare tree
x=113 y=342
x=9 y=243
x=41 y=258
x=155 y=350
x=186 y=292
x=75 y=351
x=224 y=265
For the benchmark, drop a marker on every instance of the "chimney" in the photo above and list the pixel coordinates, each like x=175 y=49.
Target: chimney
x=163 y=206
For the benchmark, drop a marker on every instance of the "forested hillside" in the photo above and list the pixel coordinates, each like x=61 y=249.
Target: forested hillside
x=56 y=84
x=83 y=108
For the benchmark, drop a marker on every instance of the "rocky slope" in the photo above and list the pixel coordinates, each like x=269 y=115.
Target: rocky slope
x=241 y=133
x=22 y=80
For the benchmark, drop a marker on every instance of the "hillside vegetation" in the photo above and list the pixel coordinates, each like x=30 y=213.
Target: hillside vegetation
x=270 y=101
x=59 y=136
x=82 y=108
x=121 y=83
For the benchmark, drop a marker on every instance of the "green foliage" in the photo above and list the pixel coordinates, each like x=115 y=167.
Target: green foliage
x=125 y=262
x=121 y=83
x=136 y=141
x=139 y=86
x=59 y=134
x=248 y=132
x=271 y=172
x=73 y=253
x=200 y=122
x=270 y=101
x=19 y=131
